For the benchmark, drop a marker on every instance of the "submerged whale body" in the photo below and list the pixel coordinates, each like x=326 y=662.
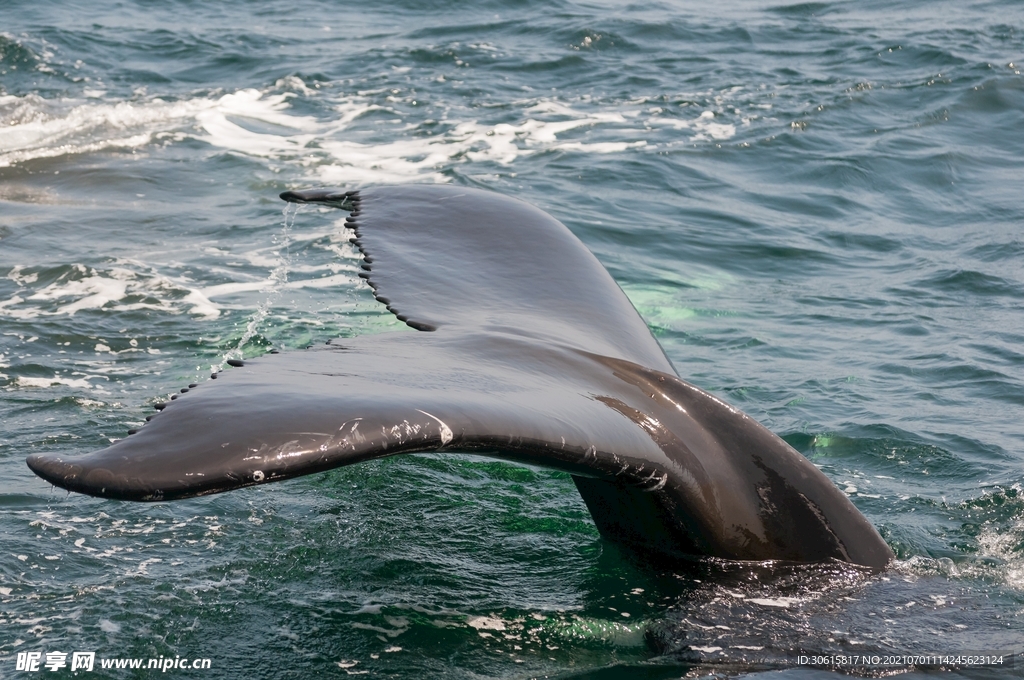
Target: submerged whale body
x=529 y=352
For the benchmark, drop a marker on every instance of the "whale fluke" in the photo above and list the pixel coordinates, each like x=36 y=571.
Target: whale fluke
x=530 y=352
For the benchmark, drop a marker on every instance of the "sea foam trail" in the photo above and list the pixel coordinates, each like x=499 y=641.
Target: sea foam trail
x=261 y=124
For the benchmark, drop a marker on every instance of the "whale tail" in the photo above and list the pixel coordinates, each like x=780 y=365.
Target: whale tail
x=532 y=353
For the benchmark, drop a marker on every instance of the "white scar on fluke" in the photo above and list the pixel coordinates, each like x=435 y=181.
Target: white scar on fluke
x=446 y=432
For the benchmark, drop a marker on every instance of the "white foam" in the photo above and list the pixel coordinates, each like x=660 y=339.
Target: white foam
x=92 y=292
x=784 y=602
x=39 y=128
x=21 y=279
x=84 y=287
x=250 y=121
x=131 y=285
x=225 y=124
x=260 y=123
x=485 y=623
x=704 y=126
x=80 y=383
x=708 y=129
x=1001 y=545
x=418 y=158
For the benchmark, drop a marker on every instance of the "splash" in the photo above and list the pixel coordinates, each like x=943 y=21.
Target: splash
x=278 y=278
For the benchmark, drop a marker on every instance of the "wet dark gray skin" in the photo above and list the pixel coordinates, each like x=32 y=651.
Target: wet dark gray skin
x=529 y=352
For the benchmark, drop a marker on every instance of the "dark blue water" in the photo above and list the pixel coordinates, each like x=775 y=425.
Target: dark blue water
x=816 y=207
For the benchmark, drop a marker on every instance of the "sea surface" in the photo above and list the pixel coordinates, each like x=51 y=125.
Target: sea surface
x=818 y=209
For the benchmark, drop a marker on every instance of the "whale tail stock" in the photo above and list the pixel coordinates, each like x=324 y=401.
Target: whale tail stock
x=531 y=352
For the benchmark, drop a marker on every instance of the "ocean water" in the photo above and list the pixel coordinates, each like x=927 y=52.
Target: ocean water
x=818 y=209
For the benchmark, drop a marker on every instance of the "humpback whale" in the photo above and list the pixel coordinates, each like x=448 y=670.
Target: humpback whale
x=528 y=350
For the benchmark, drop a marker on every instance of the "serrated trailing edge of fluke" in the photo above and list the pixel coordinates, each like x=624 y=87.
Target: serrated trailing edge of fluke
x=350 y=200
